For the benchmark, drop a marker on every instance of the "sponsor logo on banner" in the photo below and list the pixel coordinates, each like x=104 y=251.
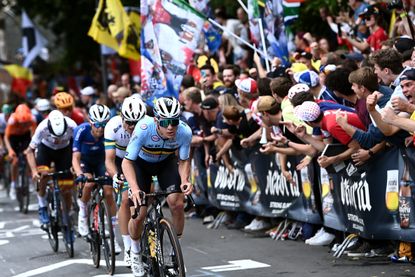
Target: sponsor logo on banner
x=232 y=181
x=356 y=193
x=278 y=185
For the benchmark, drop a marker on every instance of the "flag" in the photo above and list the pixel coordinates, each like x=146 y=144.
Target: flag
x=113 y=27
x=254 y=17
x=213 y=37
x=22 y=78
x=201 y=6
x=32 y=41
x=291 y=10
x=170 y=33
x=130 y=43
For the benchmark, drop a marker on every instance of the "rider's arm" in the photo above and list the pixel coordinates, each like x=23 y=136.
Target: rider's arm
x=110 y=162
x=129 y=174
x=30 y=156
x=76 y=163
x=6 y=139
x=184 y=170
x=131 y=154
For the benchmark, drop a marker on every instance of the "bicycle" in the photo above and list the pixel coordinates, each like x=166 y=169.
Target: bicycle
x=160 y=247
x=59 y=215
x=101 y=233
x=22 y=185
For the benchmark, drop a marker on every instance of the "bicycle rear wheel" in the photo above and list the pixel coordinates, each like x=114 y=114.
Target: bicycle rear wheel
x=23 y=193
x=53 y=226
x=171 y=261
x=107 y=235
x=94 y=237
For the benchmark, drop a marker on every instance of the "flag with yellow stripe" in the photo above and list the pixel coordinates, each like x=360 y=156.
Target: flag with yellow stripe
x=22 y=78
x=113 y=27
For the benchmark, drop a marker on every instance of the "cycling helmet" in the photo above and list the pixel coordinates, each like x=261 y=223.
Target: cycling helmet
x=6 y=109
x=22 y=114
x=99 y=113
x=167 y=107
x=133 y=109
x=63 y=100
x=56 y=123
x=43 y=105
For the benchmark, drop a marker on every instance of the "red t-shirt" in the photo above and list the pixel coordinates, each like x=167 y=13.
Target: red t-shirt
x=330 y=125
x=77 y=116
x=376 y=39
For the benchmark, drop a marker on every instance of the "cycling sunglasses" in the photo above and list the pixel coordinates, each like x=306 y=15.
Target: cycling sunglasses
x=99 y=124
x=169 y=121
x=130 y=123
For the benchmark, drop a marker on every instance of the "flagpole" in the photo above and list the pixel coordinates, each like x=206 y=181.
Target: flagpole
x=103 y=73
x=239 y=38
x=264 y=47
x=243 y=6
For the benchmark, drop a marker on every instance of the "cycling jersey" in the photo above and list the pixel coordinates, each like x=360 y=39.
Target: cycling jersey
x=43 y=135
x=148 y=145
x=85 y=143
x=116 y=137
x=15 y=128
x=77 y=116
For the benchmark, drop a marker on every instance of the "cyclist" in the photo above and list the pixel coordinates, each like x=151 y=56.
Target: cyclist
x=117 y=134
x=151 y=152
x=64 y=102
x=52 y=140
x=88 y=159
x=41 y=109
x=6 y=110
x=20 y=128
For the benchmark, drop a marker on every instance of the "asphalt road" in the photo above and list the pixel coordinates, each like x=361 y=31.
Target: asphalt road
x=24 y=252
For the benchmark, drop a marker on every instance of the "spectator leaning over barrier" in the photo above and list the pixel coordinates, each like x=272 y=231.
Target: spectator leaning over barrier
x=364 y=82
x=408 y=88
x=247 y=91
x=310 y=113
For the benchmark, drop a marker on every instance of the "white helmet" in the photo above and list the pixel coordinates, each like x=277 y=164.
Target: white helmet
x=42 y=105
x=167 y=107
x=133 y=109
x=99 y=113
x=56 y=123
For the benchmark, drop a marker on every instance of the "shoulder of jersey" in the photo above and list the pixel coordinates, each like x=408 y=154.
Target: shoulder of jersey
x=114 y=121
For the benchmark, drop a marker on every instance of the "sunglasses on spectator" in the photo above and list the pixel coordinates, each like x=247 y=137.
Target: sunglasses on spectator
x=168 y=121
x=99 y=124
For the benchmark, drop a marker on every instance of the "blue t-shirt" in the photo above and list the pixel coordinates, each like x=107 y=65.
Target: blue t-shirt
x=147 y=144
x=85 y=143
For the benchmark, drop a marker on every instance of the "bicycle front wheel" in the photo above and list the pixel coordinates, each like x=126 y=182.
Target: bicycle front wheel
x=107 y=235
x=53 y=226
x=171 y=263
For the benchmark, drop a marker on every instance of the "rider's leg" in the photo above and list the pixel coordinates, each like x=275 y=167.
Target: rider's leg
x=176 y=204
x=123 y=219
x=135 y=227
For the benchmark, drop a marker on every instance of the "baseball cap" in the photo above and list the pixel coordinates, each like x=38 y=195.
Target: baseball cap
x=409 y=74
x=326 y=69
x=372 y=9
x=266 y=103
x=308 y=111
x=298 y=67
x=209 y=103
x=307 y=77
x=296 y=89
x=354 y=56
x=88 y=91
x=247 y=85
x=403 y=44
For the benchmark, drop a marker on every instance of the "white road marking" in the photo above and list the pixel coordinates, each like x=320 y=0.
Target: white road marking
x=48 y=268
x=236 y=265
x=21 y=228
x=198 y=250
x=3 y=242
x=2 y=224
